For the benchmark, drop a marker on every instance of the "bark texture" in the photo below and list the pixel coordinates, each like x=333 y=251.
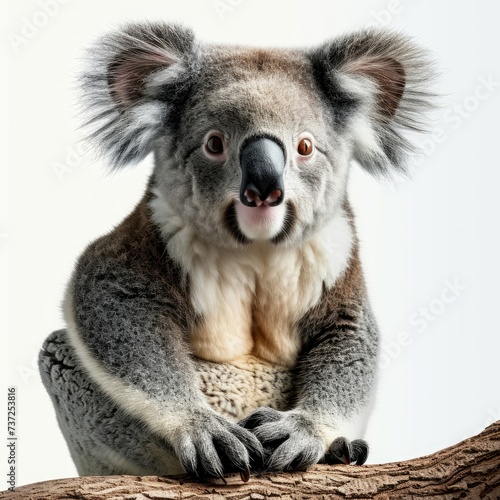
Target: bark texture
x=470 y=469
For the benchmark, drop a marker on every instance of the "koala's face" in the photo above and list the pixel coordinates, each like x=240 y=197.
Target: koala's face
x=256 y=154
x=254 y=144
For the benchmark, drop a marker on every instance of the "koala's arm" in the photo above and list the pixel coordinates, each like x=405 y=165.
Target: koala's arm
x=334 y=380
x=127 y=314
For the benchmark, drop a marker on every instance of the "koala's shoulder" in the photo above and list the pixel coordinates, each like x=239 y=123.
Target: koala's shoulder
x=132 y=252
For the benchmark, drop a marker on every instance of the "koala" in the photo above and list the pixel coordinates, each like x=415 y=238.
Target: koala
x=224 y=325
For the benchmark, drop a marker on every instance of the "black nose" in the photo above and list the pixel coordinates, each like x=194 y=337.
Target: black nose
x=262 y=162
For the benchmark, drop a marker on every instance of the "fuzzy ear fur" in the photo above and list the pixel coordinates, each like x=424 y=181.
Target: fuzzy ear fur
x=376 y=82
x=133 y=79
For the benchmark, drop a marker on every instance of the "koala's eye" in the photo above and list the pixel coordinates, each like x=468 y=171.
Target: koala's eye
x=215 y=145
x=305 y=147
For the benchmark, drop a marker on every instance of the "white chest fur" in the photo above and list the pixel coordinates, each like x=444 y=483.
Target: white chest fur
x=250 y=300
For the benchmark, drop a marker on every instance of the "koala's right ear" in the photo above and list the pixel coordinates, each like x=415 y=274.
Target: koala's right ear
x=133 y=81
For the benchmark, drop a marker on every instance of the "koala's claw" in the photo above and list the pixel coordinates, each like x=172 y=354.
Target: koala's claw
x=343 y=451
x=260 y=416
x=290 y=443
x=288 y=439
x=216 y=447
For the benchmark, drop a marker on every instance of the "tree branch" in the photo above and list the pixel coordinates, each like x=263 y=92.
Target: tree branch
x=470 y=469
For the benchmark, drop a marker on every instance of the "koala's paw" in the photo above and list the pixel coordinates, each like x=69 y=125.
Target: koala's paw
x=343 y=451
x=213 y=446
x=289 y=438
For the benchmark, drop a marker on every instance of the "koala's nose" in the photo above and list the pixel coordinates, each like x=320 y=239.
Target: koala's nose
x=262 y=162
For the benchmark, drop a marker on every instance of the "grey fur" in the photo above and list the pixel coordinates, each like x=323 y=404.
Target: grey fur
x=121 y=137
x=331 y=63
x=92 y=424
x=154 y=88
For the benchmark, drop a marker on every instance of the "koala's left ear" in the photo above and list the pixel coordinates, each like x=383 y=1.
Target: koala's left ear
x=377 y=83
x=133 y=81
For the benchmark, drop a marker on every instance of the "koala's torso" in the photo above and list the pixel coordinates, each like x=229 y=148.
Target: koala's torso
x=250 y=301
x=241 y=309
x=236 y=389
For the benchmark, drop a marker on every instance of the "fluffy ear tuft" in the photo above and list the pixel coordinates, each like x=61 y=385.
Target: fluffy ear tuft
x=377 y=83
x=133 y=80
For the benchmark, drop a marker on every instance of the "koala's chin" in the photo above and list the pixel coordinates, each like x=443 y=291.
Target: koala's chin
x=260 y=223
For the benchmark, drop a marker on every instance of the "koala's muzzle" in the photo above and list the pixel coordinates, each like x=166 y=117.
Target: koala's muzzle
x=262 y=163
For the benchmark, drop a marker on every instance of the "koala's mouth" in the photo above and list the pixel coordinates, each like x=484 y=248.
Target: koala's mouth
x=247 y=224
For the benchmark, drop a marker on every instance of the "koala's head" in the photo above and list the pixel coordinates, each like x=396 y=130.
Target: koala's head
x=254 y=144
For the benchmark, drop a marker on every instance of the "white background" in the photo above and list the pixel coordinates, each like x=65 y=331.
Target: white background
x=439 y=382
